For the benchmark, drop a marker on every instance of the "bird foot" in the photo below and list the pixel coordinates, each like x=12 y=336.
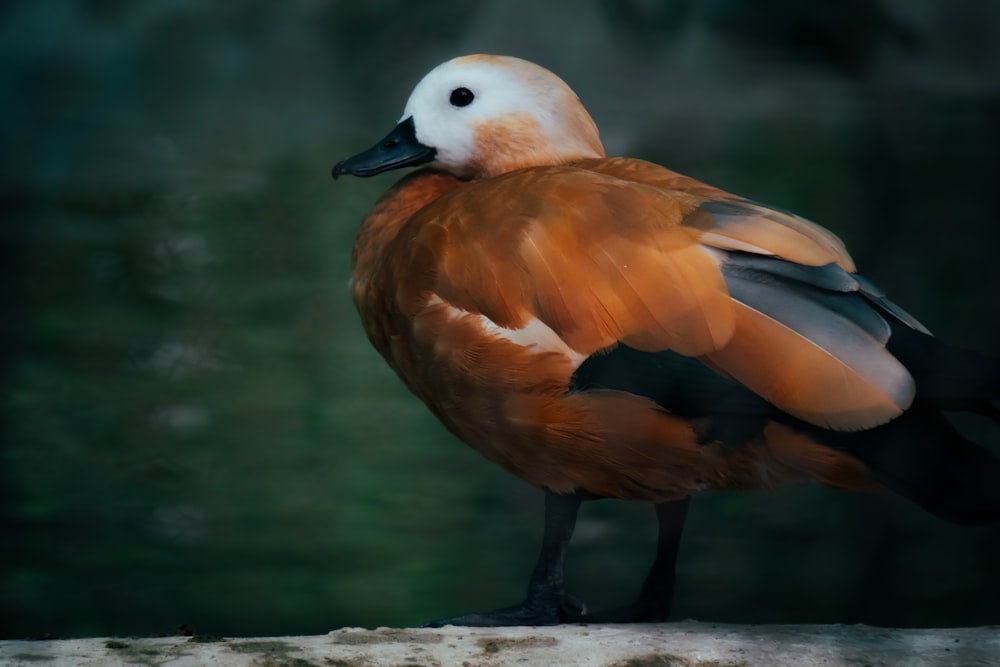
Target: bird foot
x=641 y=611
x=569 y=610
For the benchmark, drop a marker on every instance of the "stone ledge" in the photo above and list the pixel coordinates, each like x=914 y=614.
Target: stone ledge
x=684 y=644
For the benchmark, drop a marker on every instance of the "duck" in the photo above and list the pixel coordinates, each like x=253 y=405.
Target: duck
x=604 y=327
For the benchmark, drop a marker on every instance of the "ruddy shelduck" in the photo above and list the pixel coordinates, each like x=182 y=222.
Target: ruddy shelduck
x=607 y=328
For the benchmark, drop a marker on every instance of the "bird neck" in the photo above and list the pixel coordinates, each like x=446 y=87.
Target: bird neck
x=383 y=224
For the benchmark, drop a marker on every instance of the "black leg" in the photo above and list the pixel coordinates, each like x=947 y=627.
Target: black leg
x=547 y=602
x=657 y=595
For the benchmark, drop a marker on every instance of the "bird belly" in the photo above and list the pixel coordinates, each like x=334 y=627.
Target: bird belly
x=507 y=394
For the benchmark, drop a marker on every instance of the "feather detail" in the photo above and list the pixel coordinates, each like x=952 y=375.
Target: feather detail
x=743 y=225
x=834 y=375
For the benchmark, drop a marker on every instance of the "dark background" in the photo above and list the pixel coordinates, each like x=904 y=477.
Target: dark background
x=196 y=432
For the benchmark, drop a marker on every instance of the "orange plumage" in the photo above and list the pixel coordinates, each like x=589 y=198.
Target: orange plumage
x=548 y=303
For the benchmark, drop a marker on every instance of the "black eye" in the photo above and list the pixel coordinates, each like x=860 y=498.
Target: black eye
x=461 y=97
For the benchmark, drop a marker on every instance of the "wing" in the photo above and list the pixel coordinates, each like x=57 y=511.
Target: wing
x=580 y=260
x=811 y=340
x=595 y=262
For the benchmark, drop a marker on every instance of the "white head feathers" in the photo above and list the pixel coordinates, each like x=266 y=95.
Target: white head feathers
x=486 y=115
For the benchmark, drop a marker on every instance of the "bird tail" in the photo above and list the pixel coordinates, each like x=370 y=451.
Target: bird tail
x=952 y=377
x=921 y=455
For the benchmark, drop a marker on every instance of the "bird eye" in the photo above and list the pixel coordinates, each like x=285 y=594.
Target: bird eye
x=461 y=97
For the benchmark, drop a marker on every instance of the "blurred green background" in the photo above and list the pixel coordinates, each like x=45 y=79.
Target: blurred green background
x=194 y=429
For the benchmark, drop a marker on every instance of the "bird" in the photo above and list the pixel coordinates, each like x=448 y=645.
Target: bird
x=604 y=327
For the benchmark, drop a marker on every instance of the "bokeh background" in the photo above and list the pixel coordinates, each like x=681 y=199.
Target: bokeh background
x=195 y=432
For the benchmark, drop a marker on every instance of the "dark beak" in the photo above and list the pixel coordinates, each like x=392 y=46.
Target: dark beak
x=399 y=148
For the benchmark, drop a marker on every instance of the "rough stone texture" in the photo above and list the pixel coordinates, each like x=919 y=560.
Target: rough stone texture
x=685 y=644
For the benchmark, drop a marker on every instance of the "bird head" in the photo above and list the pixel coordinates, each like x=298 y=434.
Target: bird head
x=481 y=116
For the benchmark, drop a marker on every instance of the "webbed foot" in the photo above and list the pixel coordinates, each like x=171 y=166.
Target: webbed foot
x=568 y=610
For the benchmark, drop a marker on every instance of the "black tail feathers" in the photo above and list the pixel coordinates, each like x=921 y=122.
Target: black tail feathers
x=921 y=455
x=953 y=377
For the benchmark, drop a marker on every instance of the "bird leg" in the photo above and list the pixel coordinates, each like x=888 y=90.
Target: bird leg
x=657 y=594
x=547 y=602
